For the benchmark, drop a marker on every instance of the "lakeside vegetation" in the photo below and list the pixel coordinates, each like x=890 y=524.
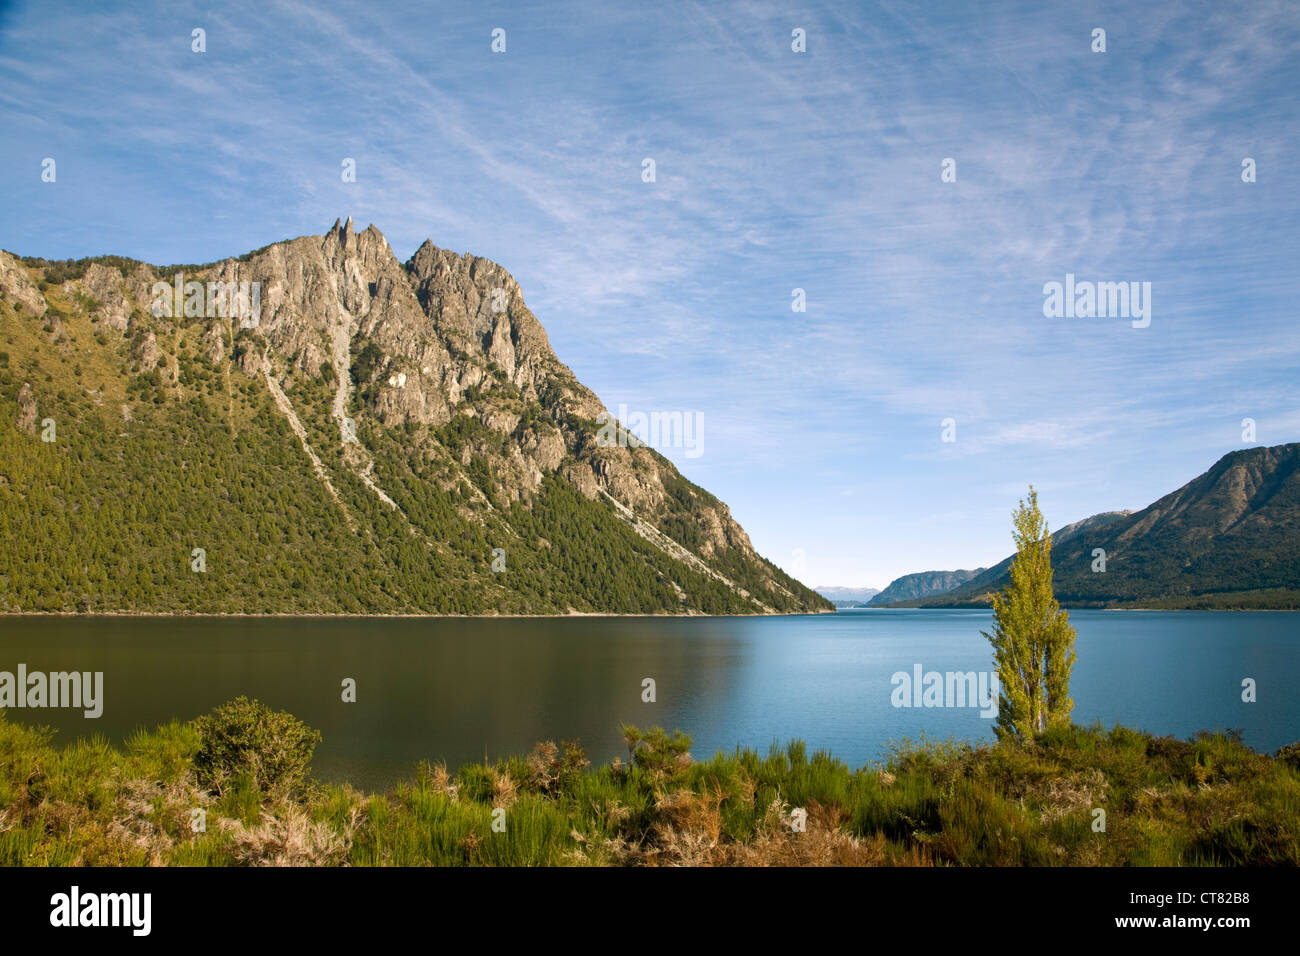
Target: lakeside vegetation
x=1207 y=801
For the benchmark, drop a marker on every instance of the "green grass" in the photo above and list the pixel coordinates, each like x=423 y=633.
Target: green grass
x=1208 y=801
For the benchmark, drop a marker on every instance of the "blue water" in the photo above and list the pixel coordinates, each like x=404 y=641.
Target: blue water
x=454 y=690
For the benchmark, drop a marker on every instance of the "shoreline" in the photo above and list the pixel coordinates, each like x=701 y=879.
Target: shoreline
x=1067 y=607
x=306 y=615
x=448 y=617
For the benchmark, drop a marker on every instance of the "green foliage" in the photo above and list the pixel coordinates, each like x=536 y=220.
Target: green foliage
x=657 y=752
x=365 y=363
x=468 y=431
x=1209 y=800
x=1033 y=642
x=272 y=750
x=1290 y=755
x=682 y=521
x=58 y=271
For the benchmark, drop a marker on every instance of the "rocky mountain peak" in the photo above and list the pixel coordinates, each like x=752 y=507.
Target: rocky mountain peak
x=430 y=374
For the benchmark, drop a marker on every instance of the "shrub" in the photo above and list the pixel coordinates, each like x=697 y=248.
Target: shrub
x=657 y=752
x=364 y=365
x=272 y=749
x=553 y=769
x=1290 y=755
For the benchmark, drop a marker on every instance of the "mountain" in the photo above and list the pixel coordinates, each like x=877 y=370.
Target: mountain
x=995 y=578
x=1229 y=538
x=847 y=597
x=922 y=584
x=372 y=437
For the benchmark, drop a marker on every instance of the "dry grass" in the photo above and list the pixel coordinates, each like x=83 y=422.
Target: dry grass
x=152 y=812
x=1063 y=796
x=689 y=830
x=504 y=789
x=439 y=780
x=290 y=839
x=823 y=841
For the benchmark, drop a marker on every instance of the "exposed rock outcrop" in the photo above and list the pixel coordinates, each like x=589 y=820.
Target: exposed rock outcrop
x=442 y=354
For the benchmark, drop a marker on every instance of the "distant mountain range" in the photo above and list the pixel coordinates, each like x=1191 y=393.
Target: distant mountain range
x=847 y=597
x=922 y=584
x=1229 y=538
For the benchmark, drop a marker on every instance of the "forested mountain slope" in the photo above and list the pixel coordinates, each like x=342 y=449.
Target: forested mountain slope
x=377 y=441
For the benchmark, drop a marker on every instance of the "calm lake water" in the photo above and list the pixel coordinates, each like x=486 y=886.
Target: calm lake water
x=454 y=690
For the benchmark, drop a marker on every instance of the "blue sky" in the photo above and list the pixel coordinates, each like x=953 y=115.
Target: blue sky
x=774 y=171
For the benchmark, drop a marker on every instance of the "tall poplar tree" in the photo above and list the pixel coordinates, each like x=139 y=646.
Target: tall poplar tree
x=1033 y=642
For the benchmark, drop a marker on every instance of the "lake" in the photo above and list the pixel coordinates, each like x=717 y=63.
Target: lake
x=457 y=689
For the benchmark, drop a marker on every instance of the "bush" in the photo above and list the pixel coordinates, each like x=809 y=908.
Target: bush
x=553 y=769
x=1290 y=755
x=364 y=365
x=656 y=752
x=272 y=749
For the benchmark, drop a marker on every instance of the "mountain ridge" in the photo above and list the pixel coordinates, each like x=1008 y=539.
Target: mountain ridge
x=1228 y=538
x=425 y=389
x=922 y=584
x=842 y=596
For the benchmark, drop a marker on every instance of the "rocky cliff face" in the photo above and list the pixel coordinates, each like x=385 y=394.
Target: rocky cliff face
x=437 y=361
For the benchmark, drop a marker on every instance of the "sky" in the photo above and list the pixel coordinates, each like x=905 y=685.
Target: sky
x=774 y=170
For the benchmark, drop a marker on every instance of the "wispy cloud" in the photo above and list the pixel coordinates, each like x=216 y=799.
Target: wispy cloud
x=775 y=171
